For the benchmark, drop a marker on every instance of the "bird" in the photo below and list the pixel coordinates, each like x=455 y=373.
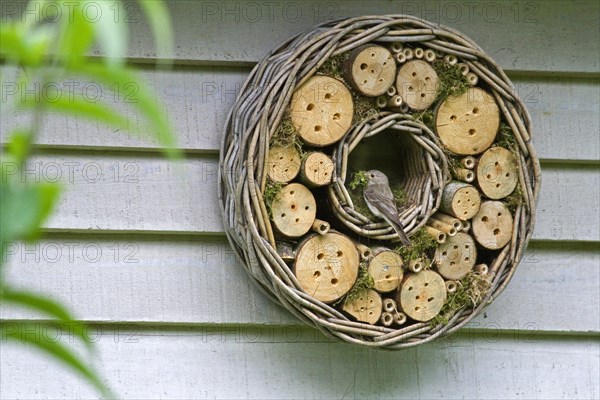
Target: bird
x=380 y=200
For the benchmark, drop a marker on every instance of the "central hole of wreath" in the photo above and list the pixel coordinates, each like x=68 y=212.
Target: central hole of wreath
x=400 y=158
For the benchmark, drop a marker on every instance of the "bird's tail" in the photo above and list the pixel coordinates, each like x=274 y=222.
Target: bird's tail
x=400 y=231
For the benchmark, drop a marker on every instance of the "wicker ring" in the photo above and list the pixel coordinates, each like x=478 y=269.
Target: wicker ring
x=259 y=111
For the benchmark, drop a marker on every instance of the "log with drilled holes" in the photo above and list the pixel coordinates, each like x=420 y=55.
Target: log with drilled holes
x=497 y=173
x=294 y=210
x=460 y=200
x=386 y=270
x=364 y=306
x=417 y=84
x=493 y=225
x=455 y=258
x=326 y=266
x=370 y=70
x=283 y=164
x=467 y=124
x=317 y=169
x=321 y=110
x=422 y=295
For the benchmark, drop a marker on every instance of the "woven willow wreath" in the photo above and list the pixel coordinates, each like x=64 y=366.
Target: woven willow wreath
x=291 y=195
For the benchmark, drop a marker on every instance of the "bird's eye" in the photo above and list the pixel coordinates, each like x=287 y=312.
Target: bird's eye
x=372 y=175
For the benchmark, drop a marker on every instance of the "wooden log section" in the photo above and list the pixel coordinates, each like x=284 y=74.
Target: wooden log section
x=416 y=265
x=493 y=225
x=436 y=234
x=465 y=175
x=422 y=295
x=455 y=258
x=365 y=306
x=317 y=169
x=387 y=318
x=467 y=124
x=468 y=162
x=417 y=83
x=448 y=229
x=389 y=305
x=460 y=200
x=283 y=163
x=326 y=266
x=386 y=270
x=286 y=251
x=399 y=318
x=497 y=173
x=321 y=110
x=451 y=286
x=448 y=219
x=370 y=70
x=294 y=210
x=321 y=227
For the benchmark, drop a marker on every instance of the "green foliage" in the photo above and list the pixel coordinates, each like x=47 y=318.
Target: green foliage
x=421 y=245
x=469 y=293
x=355 y=190
x=272 y=190
x=400 y=196
x=285 y=136
x=49 y=52
x=427 y=118
x=363 y=282
x=359 y=180
x=450 y=80
x=332 y=67
x=364 y=107
x=505 y=137
x=513 y=200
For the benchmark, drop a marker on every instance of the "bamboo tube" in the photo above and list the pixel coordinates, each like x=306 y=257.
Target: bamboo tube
x=321 y=227
x=436 y=234
x=468 y=162
x=396 y=47
x=465 y=175
x=419 y=52
x=430 y=55
x=415 y=265
x=450 y=59
x=466 y=225
x=394 y=101
x=387 y=319
x=400 y=58
x=472 y=78
x=364 y=251
x=448 y=229
x=399 y=318
x=389 y=305
x=464 y=68
x=448 y=219
x=481 y=269
x=451 y=286
x=391 y=91
x=404 y=108
x=381 y=102
x=408 y=53
x=439 y=54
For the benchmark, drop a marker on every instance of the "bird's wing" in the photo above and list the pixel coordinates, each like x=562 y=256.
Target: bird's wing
x=381 y=197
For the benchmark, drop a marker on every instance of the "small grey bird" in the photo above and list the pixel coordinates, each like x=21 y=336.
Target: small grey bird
x=380 y=200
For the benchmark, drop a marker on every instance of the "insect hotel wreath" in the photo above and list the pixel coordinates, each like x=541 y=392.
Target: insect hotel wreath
x=410 y=248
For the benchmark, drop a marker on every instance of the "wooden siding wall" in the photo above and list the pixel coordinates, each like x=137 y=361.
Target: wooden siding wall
x=137 y=248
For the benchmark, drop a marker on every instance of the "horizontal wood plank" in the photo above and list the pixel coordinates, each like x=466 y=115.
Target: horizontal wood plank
x=564 y=112
x=240 y=363
x=150 y=194
x=186 y=281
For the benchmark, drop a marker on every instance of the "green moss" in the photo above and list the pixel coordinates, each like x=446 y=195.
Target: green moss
x=359 y=180
x=272 y=190
x=513 y=200
x=421 y=245
x=364 y=281
x=333 y=66
x=505 y=137
x=469 y=293
x=451 y=81
x=400 y=196
x=286 y=136
x=427 y=118
x=364 y=107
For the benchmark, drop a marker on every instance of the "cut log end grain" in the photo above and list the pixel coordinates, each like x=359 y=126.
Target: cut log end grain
x=386 y=270
x=326 y=266
x=422 y=295
x=317 y=169
x=283 y=163
x=492 y=226
x=370 y=69
x=417 y=84
x=321 y=110
x=455 y=258
x=294 y=210
x=460 y=200
x=467 y=124
x=365 y=306
x=497 y=173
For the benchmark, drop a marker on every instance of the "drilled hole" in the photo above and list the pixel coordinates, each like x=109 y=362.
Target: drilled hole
x=292 y=192
x=430 y=299
x=484 y=218
x=339 y=253
x=297 y=220
x=417 y=297
x=363 y=66
x=336 y=116
x=414 y=74
x=306 y=208
x=310 y=107
x=417 y=308
x=471 y=132
x=320 y=256
x=426 y=284
x=499 y=214
x=410 y=288
x=293 y=205
x=496 y=231
x=282 y=215
x=327 y=96
x=453 y=118
x=475 y=110
x=334 y=281
x=317 y=128
x=316 y=274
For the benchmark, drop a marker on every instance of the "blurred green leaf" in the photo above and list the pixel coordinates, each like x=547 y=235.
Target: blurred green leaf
x=24 y=207
x=77 y=35
x=158 y=15
x=22 y=47
x=19 y=145
x=47 y=306
x=59 y=352
x=110 y=30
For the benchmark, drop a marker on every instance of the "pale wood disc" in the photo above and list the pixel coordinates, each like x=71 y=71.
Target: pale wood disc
x=460 y=200
x=417 y=83
x=283 y=163
x=467 y=124
x=386 y=270
x=371 y=70
x=455 y=258
x=422 y=295
x=294 y=210
x=326 y=266
x=493 y=225
x=497 y=173
x=365 y=307
x=321 y=110
x=317 y=169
